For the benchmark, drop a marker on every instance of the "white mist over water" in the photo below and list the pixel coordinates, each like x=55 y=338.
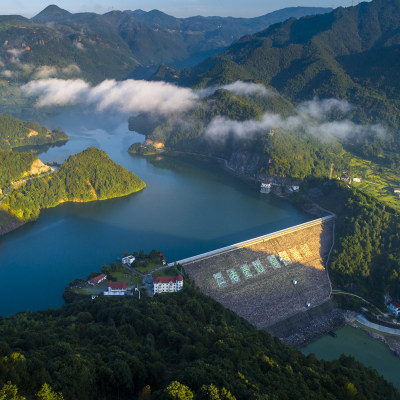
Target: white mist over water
x=131 y=97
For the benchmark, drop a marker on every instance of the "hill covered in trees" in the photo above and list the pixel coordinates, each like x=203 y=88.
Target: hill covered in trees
x=13 y=165
x=179 y=346
x=15 y=133
x=119 y=43
x=279 y=152
x=350 y=53
x=86 y=176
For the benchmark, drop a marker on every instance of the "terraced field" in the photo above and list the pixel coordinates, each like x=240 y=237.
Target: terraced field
x=268 y=280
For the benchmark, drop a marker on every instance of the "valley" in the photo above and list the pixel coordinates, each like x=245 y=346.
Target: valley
x=173 y=123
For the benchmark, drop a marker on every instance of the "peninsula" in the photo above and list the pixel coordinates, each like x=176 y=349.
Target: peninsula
x=15 y=133
x=87 y=176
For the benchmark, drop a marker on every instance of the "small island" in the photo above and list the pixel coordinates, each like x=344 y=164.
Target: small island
x=27 y=185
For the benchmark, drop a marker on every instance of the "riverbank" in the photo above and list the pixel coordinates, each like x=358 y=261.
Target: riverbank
x=391 y=341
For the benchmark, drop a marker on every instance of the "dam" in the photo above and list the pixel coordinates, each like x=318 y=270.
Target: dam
x=270 y=279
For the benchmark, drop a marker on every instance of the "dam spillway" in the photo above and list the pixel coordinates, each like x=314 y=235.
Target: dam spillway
x=269 y=278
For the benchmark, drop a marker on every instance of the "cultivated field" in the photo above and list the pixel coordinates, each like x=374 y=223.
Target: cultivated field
x=256 y=280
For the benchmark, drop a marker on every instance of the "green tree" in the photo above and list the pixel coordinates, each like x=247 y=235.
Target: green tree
x=47 y=393
x=176 y=391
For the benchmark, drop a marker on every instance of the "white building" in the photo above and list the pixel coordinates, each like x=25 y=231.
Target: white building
x=116 y=289
x=265 y=187
x=295 y=187
x=164 y=284
x=394 y=308
x=128 y=260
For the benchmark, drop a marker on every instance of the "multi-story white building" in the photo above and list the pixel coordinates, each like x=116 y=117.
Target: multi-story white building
x=164 y=284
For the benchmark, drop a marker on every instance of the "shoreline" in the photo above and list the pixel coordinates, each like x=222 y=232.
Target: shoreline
x=12 y=226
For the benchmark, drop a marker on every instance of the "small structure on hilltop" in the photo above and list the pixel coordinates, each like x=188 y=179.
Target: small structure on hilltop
x=396 y=191
x=265 y=187
x=394 y=308
x=116 y=289
x=128 y=260
x=97 y=279
x=165 y=284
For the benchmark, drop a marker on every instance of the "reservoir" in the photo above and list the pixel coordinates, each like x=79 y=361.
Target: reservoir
x=357 y=343
x=189 y=207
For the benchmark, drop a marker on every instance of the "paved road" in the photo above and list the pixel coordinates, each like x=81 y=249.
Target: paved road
x=384 y=329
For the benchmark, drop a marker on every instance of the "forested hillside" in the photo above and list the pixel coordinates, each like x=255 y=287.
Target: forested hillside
x=351 y=53
x=15 y=133
x=86 y=176
x=366 y=257
x=13 y=165
x=279 y=152
x=118 y=44
x=177 y=346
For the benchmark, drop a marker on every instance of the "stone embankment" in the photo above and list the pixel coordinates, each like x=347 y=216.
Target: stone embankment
x=317 y=328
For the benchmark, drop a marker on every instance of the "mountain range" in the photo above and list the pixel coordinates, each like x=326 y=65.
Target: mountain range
x=118 y=44
x=351 y=53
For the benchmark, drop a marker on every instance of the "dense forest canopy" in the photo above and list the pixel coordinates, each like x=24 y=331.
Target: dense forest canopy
x=118 y=44
x=175 y=346
x=86 y=176
x=13 y=165
x=15 y=133
x=366 y=257
x=351 y=53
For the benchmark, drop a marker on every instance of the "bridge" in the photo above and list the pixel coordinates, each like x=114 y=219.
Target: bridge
x=270 y=278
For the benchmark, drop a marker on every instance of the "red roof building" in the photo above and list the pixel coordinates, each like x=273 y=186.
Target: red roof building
x=116 y=285
x=97 y=279
x=164 y=284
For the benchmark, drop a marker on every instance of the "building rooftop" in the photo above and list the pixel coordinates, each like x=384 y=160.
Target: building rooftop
x=117 y=285
x=167 y=279
x=395 y=304
x=97 y=279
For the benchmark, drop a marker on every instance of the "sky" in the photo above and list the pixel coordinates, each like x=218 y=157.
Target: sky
x=177 y=8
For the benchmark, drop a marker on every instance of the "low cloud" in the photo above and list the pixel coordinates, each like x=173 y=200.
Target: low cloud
x=7 y=73
x=71 y=69
x=240 y=88
x=321 y=109
x=133 y=97
x=311 y=118
x=248 y=89
x=15 y=55
x=79 y=45
x=130 y=96
x=46 y=71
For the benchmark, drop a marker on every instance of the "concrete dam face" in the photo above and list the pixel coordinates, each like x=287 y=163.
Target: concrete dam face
x=271 y=278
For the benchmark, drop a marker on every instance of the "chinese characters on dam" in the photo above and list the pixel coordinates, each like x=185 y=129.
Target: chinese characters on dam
x=255 y=268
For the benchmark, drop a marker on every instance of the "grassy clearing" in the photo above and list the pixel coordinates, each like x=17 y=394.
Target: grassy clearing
x=128 y=277
x=377 y=180
x=92 y=290
x=146 y=266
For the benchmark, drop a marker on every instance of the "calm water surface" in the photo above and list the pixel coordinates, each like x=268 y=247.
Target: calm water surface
x=187 y=208
x=355 y=342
